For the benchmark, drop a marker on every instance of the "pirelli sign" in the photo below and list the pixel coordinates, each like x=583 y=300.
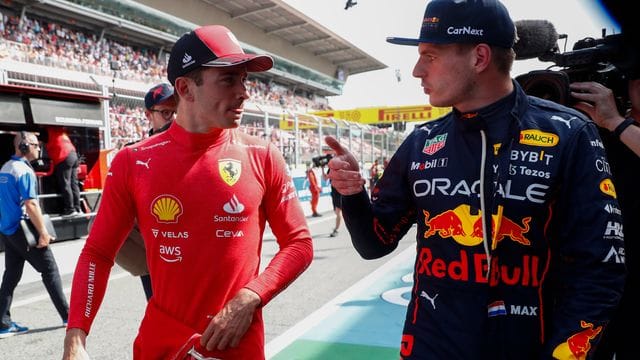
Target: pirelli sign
x=389 y=114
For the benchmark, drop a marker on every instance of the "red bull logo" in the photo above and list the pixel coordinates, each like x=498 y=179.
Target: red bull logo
x=577 y=345
x=466 y=229
x=473 y=267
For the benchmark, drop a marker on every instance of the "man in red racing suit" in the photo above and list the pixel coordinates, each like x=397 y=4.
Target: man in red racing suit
x=202 y=192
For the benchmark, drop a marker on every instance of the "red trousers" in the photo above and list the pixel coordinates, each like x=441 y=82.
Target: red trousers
x=315 y=198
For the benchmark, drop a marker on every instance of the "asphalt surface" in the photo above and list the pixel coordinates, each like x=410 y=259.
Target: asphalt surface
x=335 y=268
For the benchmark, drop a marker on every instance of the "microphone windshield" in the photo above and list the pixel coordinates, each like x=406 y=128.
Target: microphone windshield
x=534 y=38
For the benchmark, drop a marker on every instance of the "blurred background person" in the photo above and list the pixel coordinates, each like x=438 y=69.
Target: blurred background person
x=314 y=189
x=64 y=158
x=621 y=139
x=336 y=201
x=18 y=195
x=160 y=107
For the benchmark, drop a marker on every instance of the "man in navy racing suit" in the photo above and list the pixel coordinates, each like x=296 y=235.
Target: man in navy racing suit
x=519 y=235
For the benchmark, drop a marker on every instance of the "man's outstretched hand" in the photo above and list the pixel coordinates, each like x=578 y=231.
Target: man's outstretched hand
x=345 y=172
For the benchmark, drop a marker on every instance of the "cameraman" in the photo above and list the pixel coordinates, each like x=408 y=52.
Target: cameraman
x=621 y=138
x=598 y=102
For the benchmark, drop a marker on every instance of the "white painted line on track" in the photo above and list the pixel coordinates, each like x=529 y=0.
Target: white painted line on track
x=286 y=338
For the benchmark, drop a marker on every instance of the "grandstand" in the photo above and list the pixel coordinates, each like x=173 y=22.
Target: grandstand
x=123 y=46
x=86 y=65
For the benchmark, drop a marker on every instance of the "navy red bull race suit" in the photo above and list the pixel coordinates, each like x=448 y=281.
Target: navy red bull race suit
x=531 y=175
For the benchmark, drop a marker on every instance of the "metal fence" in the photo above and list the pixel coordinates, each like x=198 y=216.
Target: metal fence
x=300 y=137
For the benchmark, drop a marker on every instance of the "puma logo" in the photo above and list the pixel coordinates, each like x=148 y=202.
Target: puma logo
x=145 y=164
x=566 y=122
x=432 y=300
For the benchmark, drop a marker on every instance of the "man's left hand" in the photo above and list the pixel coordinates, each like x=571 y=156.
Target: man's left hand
x=229 y=325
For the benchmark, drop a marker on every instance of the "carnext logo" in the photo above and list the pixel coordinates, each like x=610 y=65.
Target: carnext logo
x=466 y=30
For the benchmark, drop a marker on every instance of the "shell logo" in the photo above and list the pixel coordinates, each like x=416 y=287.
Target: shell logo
x=166 y=209
x=606 y=186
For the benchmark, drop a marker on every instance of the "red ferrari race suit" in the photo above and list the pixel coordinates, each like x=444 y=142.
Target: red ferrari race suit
x=202 y=202
x=543 y=281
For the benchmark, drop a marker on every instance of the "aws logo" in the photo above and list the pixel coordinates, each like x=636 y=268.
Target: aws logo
x=606 y=186
x=538 y=138
x=230 y=170
x=166 y=209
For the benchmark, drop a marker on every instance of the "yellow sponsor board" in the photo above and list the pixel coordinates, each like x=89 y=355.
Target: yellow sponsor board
x=374 y=115
x=387 y=114
x=304 y=122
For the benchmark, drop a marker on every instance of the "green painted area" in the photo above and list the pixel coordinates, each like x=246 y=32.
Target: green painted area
x=318 y=350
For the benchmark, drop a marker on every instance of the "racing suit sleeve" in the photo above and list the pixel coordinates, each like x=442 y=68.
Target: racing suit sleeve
x=113 y=222
x=588 y=254
x=282 y=210
x=377 y=226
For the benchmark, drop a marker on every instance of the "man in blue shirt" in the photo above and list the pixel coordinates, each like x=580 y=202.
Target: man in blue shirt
x=18 y=194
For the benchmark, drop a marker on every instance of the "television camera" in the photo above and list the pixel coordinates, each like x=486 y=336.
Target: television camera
x=322 y=160
x=609 y=61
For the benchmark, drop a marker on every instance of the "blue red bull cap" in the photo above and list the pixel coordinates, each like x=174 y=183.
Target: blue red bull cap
x=157 y=95
x=464 y=21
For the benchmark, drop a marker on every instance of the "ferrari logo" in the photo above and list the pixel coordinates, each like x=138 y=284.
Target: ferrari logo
x=230 y=170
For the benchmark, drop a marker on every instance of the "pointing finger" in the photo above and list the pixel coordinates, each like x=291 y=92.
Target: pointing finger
x=335 y=145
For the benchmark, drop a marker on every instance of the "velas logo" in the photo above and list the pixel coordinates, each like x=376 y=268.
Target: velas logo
x=431 y=146
x=577 y=345
x=230 y=170
x=538 y=138
x=606 y=186
x=466 y=229
x=166 y=209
